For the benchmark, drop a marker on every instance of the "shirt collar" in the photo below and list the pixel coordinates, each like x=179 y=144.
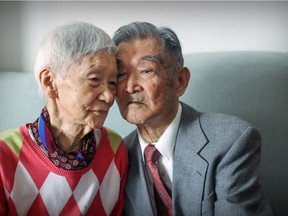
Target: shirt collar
x=166 y=143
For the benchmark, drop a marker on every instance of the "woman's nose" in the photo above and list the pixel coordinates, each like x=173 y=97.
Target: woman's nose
x=108 y=95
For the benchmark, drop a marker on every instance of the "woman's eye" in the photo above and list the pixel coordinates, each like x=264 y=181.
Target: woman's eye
x=113 y=83
x=94 y=79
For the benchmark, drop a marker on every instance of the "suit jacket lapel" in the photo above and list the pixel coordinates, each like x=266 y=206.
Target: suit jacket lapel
x=189 y=168
x=136 y=189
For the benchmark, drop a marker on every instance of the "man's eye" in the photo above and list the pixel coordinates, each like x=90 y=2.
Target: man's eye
x=146 y=71
x=121 y=76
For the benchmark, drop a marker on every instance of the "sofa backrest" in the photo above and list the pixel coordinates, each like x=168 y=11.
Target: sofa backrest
x=19 y=98
x=251 y=85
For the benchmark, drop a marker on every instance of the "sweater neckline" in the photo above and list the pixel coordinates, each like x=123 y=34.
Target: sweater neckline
x=39 y=155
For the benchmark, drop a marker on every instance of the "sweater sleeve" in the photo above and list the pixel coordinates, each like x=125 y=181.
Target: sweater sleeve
x=121 y=159
x=3 y=201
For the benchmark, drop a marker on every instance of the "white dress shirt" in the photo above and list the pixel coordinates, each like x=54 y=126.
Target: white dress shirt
x=165 y=146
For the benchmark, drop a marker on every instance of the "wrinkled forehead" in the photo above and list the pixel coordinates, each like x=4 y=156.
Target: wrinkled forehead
x=99 y=62
x=139 y=50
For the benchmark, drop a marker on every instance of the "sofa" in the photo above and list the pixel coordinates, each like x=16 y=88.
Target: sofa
x=250 y=84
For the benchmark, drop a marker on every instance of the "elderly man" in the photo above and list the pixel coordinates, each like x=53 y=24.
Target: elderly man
x=182 y=162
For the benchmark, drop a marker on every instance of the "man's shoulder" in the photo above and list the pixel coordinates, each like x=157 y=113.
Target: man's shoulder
x=131 y=139
x=214 y=118
x=216 y=125
x=225 y=130
x=223 y=120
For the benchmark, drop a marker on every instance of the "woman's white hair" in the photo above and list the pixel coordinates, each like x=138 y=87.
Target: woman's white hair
x=69 y=44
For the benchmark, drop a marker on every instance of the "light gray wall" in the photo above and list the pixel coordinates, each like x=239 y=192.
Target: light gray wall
x=201 y=26
x=10 y=36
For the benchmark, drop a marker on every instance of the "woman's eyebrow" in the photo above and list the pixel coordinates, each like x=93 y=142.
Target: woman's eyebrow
x=93 y=68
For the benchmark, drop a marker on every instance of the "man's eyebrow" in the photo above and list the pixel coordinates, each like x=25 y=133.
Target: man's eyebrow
x=150 y=58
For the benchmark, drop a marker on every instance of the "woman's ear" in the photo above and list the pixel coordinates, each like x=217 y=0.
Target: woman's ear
x=183 y=77
x=48 y=83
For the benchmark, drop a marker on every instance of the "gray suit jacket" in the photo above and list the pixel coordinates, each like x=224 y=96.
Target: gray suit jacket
x=215 y=169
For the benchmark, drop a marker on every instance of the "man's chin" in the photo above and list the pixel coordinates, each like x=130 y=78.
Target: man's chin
x=134 y=120
x=133 y=114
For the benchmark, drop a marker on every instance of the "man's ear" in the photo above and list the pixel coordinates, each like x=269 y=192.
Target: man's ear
x=48 y=82
x=183 y=77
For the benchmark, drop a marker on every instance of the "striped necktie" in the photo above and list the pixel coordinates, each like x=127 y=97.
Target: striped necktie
x=162 y=197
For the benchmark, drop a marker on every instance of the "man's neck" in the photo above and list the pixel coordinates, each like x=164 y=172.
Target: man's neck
x=152 y=131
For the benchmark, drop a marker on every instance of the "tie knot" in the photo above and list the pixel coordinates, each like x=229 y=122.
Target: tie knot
x=151 y=153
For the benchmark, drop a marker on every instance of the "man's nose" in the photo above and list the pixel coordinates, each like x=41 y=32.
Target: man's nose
x=133 y=84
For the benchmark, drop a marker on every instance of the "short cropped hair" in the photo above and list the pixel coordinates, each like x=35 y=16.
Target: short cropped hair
x=69 y=44
x=144 y=30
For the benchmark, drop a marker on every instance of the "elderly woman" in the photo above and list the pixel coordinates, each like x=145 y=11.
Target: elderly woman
x=66 y=162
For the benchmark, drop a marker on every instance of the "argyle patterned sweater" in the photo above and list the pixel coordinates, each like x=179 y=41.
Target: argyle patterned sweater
x=30 y=184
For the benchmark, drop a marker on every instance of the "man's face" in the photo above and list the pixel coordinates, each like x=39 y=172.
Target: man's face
x=145 y=92
x=87 y=90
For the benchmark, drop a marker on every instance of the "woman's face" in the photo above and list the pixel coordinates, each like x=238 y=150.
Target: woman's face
x=87 y=90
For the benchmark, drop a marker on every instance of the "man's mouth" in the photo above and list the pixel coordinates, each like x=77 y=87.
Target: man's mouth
x=134 y=102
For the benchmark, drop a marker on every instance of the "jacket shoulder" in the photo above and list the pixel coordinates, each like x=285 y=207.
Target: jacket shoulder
x=131 y=139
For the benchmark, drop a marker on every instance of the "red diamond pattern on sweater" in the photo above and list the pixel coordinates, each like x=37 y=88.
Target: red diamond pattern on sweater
x=23 y=185
x=62 y=189
x=30 y=179
x=92 y=188
x=61 y=186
